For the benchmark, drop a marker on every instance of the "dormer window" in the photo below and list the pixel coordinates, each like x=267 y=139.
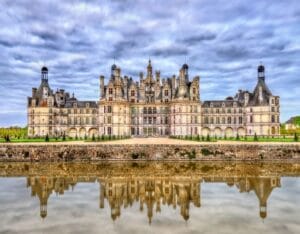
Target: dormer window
x=75 y=105
x=132 y=93
x=166 y=92
x=87 y=105
x=211 y=105
x=110 y=91
x=223 y=104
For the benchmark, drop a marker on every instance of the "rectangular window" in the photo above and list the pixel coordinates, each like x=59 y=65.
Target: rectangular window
x=132 y=93
x=110 y=91
x=166 y=92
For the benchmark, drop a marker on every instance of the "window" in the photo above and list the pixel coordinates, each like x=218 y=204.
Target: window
x=110 y=99
x=194 y=90
x=229 y=120
x=212 y=120
x=206 y=120
x=110 y=91
x=273 y=119
x=132 y=93
x=240 y=120
x=251 y=119
x=109 y=109
x=109 y=119
x=166 y=92
x=131 y=100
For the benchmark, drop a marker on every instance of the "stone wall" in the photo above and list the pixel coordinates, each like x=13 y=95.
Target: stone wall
x=93 y=152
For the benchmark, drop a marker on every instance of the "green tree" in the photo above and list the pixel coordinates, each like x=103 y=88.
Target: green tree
x=237 y=137
x=93 y=137
x=208 y=137
x=296 y=137
x=47 y=138
x=255 y=137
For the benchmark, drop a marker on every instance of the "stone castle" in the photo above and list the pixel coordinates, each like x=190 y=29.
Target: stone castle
x=154 y=106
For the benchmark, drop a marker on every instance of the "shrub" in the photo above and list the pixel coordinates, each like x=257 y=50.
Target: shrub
x=134 y=155
x=255 y=137
x=102 y=138
x=93 y=137
x=237 y=137
x=192 y=155
x=296 y=137
x=205 y=152
x=198 y=138
x=64 y=136
x=76 y=137
x=225 y=137
x=85 y=137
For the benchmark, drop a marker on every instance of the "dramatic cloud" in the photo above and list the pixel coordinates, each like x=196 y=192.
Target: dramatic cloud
x=79 y=40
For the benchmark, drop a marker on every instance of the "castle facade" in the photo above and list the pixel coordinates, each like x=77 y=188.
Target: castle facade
x=152 y=106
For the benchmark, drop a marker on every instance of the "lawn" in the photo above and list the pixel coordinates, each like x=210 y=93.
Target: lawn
x=21 y=140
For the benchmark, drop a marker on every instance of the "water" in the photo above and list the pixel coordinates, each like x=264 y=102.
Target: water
x=149 y=198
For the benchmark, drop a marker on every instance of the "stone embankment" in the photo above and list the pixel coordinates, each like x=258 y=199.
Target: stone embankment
x=183 y=151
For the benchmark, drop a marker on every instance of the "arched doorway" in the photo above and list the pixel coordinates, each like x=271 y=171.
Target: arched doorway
x=205 y=131
x=93 y=131
x=229 y=132
x=241 y=131
x=273 y=130
x=218 y=132
x=72 y=132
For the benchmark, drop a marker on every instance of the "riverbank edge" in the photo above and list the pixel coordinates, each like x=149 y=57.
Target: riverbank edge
x=29 y=152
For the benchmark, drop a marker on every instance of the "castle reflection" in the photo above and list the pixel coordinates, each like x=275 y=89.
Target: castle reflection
x=151 y=193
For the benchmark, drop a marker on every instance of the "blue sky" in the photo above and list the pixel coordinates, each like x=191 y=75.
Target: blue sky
x=222 y=41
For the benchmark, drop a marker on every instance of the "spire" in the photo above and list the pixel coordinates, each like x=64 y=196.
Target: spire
x=149 y=69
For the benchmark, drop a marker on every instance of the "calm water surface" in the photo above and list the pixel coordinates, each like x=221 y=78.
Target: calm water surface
x=149 y=198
